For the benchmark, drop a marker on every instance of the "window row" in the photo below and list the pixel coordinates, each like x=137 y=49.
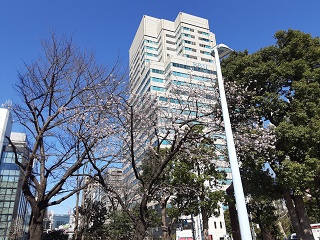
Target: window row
x=190 y=76
x=8 y=184
x=152 y=48
x=7 y=204
x=160 y=89
x=9 y=166
x=190 y=56
x=9 y=172
x=215 y=225
x=150 y=41
x=194 y=68
x=205 y=52
x=143 y=81
x=9 y=157
x=154 y=79
x=192 y=30
x=151 y=54
x=190 y=49
x=206 y=60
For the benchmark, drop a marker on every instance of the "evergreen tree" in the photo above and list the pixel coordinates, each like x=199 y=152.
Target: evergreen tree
x=198 y=175
x=279 y=86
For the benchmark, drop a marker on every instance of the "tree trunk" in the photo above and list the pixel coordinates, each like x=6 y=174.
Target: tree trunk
x=140 y=231
x=76 y=222
x=266 y=235
x=262 y=229
x=281 y=229
x=234 y=222
x=304 y=221
x=235 y=228
x=165 y=228
x=36 y=225
x=292 y=212
x=205 y=224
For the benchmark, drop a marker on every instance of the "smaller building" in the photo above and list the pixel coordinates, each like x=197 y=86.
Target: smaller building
x=316 y=230
x=60 y=220
x=14 y=209
x=191 y=227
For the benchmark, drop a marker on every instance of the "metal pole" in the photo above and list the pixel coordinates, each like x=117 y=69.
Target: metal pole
x=237 y=184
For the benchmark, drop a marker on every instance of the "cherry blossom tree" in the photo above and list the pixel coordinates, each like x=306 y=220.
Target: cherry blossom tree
x=159 y=127
x=67 y=105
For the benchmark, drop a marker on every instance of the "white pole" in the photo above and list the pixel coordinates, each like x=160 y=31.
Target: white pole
x=237 y=184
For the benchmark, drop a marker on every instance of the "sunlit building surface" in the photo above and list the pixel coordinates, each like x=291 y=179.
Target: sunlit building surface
x=165 y=53
x=14 y=210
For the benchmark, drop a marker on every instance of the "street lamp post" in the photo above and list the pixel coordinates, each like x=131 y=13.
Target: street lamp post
x=220 y=51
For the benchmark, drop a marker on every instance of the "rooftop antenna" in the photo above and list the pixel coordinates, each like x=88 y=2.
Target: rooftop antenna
x=7 y=104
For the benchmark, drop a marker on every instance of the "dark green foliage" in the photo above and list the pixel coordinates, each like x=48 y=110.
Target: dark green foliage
x=313 y=206
x=183 y=185
x=227 y=222
x=279 y=85
x=263 y=213
x=196 y=172
x=282 y=84
x=94 y=215
x=119 y=226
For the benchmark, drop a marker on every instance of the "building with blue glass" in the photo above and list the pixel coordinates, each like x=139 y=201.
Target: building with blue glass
x=14 y=210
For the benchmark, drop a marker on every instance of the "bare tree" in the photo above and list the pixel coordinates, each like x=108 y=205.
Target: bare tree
x=16 y=228
x=68 y=101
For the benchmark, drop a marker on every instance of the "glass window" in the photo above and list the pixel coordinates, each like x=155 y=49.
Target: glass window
x=154 y=79
x=151 y=54
x=190 y=49
x=206 y=60
x=166 y=142
x=205 y=46
x=164 y=99
x=196 y=67
x=170 y=36
x=189 y=42
x=203 y=33
x=204 y=39
x=187 y=35
x=187 y=29
x=205 y=52
x=156 y=88
x=224 y=169
x=190 y=56
x=157 y=71
x=151 y=48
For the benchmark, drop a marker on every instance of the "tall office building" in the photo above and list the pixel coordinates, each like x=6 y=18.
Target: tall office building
x=165 y=54
x=14 y=209
x=165 y=51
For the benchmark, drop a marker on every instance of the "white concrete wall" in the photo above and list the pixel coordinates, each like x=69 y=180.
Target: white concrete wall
x=5 y=126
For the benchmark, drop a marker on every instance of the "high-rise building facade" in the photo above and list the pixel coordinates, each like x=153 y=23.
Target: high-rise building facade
x=14 y=209
x=161 y=47
x=165 y=53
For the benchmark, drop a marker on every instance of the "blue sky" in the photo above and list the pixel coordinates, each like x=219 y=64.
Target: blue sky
x=108 y=27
